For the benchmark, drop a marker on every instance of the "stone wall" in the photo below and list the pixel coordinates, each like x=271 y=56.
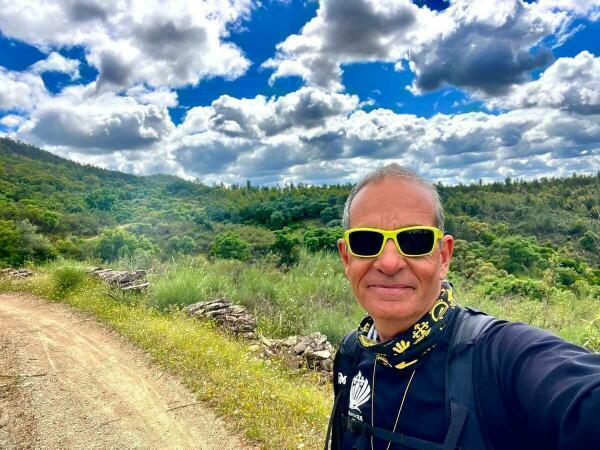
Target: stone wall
x=16 y=273
x=312 y=352
x=123 y=280
x=233 y=318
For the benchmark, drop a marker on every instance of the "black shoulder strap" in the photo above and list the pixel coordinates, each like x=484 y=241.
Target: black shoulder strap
x=469 y=326
x=348 y=347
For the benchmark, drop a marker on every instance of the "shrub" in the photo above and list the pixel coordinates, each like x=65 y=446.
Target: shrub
x=229 y=245
x=316 y=239
x=511 y=286
x=286 y=247
x=590 y=241
x=115 y=243
x=184 y=245
x=102 y=199
x=20 y=242
x=67 y=278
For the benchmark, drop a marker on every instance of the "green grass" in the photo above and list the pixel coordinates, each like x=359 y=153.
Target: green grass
x=269 y=404
x=284 y=303
x=67 y=278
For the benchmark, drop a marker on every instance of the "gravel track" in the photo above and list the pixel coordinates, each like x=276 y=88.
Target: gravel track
x=68 y=382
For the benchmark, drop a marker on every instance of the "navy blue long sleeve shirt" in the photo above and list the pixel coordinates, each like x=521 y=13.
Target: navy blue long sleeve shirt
x=534 y=390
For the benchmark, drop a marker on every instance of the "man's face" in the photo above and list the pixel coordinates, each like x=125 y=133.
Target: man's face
x=392 y=288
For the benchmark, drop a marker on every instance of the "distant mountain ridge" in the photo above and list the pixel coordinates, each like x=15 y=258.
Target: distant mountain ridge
x=71 y=203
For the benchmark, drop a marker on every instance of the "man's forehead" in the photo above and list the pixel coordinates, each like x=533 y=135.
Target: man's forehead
x=394 y=195
x=393 y=188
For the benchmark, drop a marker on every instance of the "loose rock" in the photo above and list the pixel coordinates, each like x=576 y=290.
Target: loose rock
x=233 y=318
x=126 y=281
x=16 y=273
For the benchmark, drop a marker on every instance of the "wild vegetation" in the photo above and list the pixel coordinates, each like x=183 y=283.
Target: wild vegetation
x=524 y=251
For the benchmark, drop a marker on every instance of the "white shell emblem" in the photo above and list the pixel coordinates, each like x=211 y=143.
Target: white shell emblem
x=360 y=391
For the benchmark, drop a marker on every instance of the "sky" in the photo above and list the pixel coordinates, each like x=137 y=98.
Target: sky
x=306 y=91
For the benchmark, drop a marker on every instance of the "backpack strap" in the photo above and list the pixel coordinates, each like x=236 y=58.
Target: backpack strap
x=348 y=347
x=464 y=425
x=469 y=326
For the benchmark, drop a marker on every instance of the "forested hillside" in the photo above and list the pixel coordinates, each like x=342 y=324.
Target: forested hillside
x=52 y=207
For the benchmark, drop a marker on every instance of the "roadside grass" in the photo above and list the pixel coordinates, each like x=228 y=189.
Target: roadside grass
x=562 y=313
x=270 y=404
x=277 y=408
x=313 y=296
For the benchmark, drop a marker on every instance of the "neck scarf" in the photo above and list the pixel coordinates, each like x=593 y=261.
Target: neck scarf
x=410 y=346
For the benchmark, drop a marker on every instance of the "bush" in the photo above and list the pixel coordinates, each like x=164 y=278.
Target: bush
x=590 y=241
x=20 y=242
x=67 y=278
x=286 y=247
x=229 y=245
x=316 y=239
x=184 y=245
x=115 y=243
x=101 y=199
x=511 y=286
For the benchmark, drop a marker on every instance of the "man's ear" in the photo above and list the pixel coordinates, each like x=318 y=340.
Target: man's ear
x=343 y=251
x=447 y=247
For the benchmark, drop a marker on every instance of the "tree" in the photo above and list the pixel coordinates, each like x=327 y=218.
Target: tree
x=20 y=242
x=116 y=243
x=276 y=220
x=330 y=213
x=229 y=245
x=185 y=244
x=316 y=239
x=286 y=247
x=102 y=199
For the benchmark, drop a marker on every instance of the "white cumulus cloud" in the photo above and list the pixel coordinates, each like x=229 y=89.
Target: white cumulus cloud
x=55 y=62
x=479 y=45
x=159 y=43
x=92 y=122
x=570 y=84
x=20 y=90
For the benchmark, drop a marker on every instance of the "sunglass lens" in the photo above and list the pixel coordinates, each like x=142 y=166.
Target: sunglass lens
x=416 y=242
x=365 y=243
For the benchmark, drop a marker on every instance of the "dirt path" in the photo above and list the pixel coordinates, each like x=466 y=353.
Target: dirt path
x=67 y=382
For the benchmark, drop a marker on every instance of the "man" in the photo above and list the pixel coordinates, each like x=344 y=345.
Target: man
x=422 y=372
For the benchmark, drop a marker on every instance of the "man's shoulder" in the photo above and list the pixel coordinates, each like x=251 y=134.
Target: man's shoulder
x=513 y=346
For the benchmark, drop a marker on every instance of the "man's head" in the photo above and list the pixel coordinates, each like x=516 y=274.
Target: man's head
x=395 y=290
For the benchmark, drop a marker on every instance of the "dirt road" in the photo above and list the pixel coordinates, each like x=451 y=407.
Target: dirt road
x=66 y=382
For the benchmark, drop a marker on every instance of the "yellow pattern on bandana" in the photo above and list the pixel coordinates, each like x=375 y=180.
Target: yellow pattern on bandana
x=409 y=347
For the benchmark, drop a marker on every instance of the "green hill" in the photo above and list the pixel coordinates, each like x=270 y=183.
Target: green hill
x=520 y=227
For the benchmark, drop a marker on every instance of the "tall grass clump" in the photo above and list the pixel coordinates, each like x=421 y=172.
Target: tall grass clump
x=67 y=278
x=182 y=285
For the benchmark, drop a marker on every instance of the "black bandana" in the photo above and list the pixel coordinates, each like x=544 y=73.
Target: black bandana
x=406 y=349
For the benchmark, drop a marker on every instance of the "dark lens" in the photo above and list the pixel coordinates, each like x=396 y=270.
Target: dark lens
x=416 y=242
x=365 y=243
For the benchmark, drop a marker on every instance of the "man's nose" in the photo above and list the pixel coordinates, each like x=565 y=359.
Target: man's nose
x=390 y=260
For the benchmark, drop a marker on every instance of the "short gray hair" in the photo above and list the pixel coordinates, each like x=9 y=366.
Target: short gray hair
x=394 y=170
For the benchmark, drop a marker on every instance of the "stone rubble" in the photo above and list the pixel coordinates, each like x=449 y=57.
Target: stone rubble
x=312 y=352
x=123 y=280
x=233 y=318
x=16 y=273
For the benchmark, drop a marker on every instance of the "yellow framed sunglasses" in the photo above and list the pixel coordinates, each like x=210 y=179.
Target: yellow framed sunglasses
x=410 y=241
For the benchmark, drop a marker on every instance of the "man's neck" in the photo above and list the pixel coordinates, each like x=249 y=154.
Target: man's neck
x=388 y=329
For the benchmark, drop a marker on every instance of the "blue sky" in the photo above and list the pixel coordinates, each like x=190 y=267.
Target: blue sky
x=307 y=91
